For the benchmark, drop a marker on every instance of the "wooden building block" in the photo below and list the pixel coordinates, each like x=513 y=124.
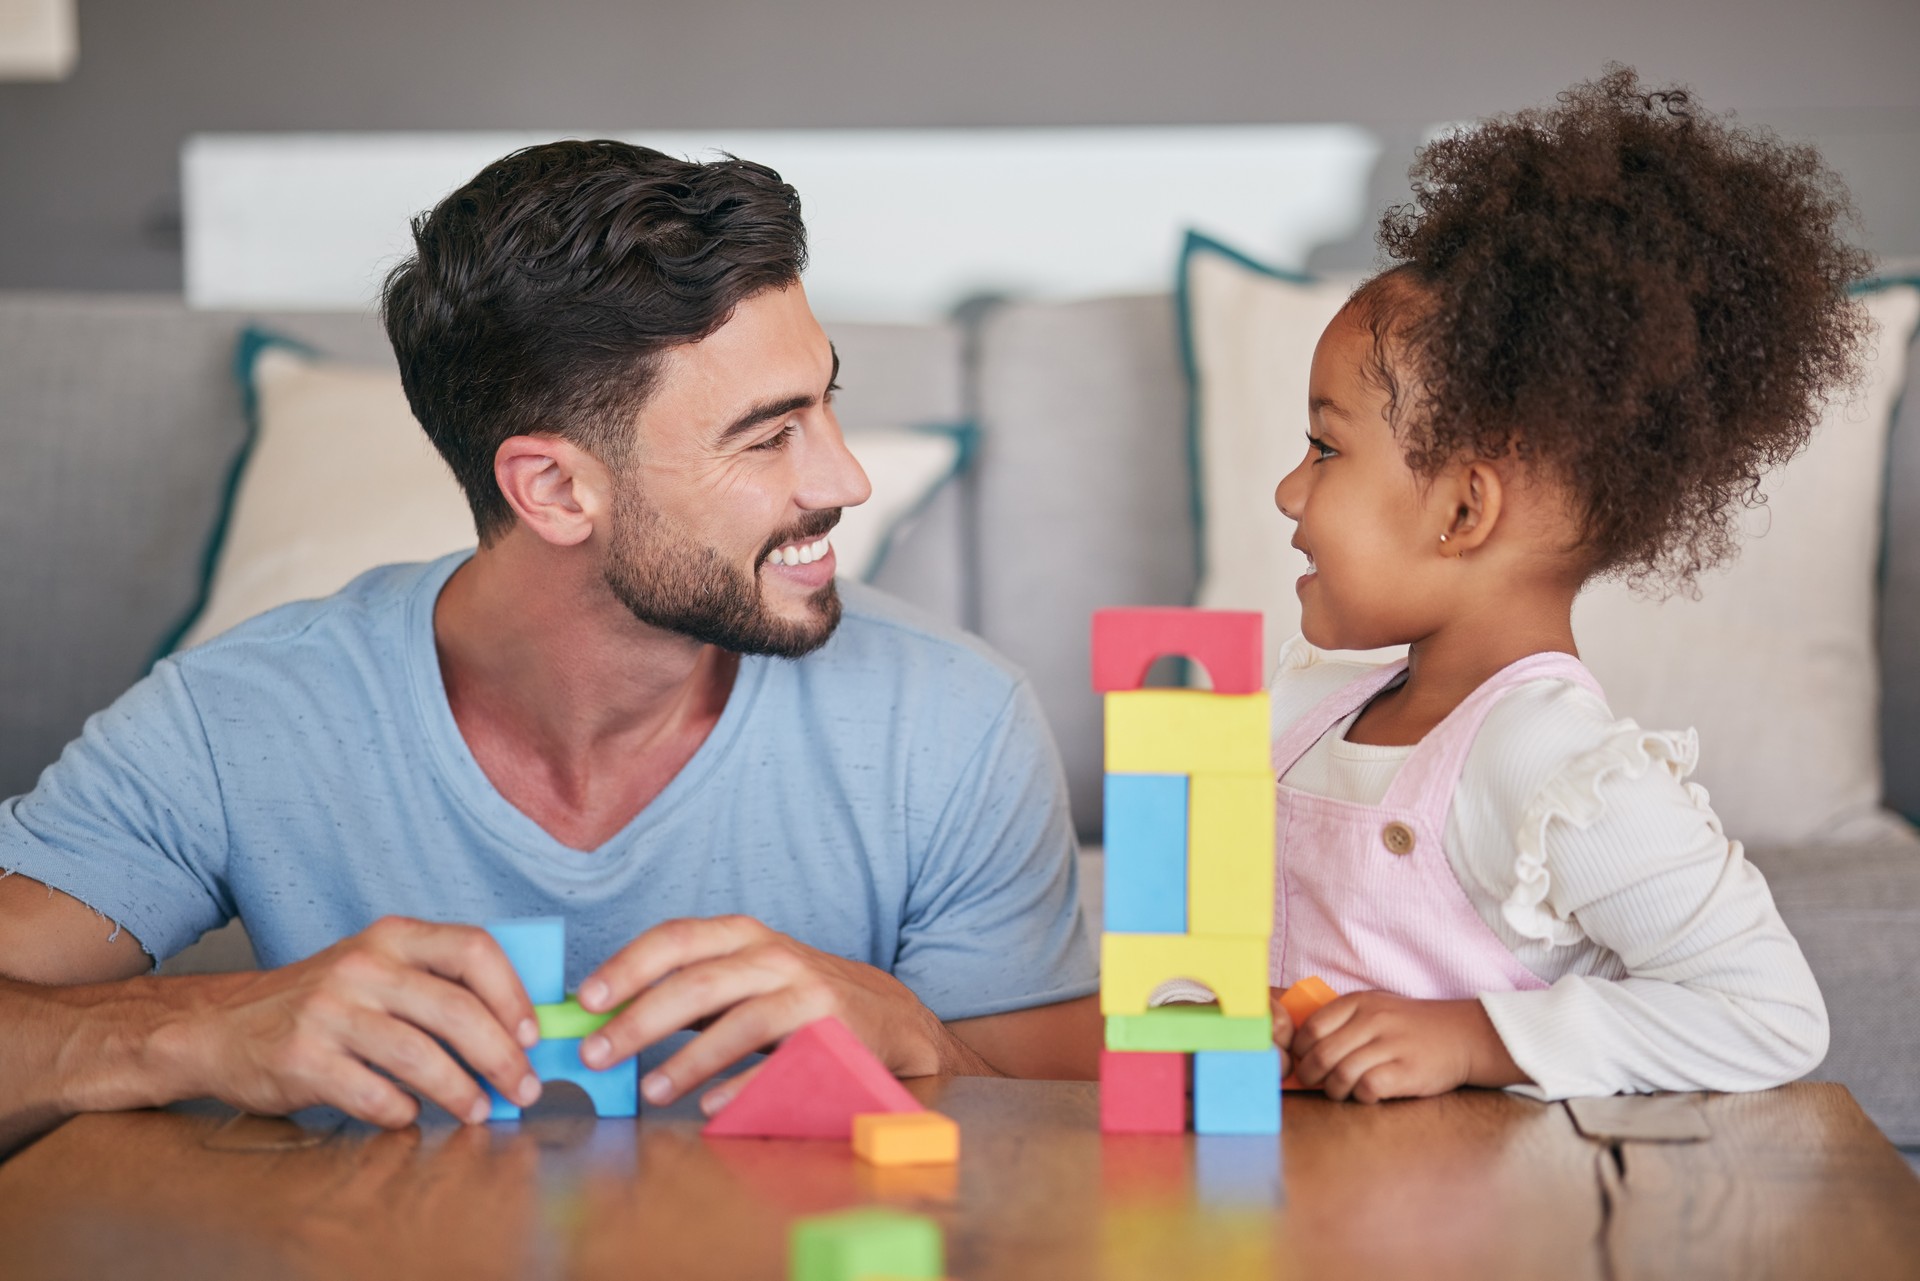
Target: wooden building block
x=614 y=1091
x=1142 y=1093
x=1228 y=643
x=858 y=1244
x=1235 y=969
x=537 y=948
x=906 y=1138
x=1230 y=854
x=1236 y=1092
x=812 y=1087
x=565 y=1020
x=1186 y=1028
x=1187 y=731
x=1300 y=1001
x=1145 y=834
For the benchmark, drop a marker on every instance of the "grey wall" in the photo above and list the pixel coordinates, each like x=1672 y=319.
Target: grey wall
x=88 y=185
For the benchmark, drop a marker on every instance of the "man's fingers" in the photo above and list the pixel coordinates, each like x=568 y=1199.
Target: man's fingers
x=412 y=1058
x=366 y=1095
x=663 y=949
x=687 y=996
x=456 y=1016
x=471 y=957
x=728 y=1090
x=743 y=1030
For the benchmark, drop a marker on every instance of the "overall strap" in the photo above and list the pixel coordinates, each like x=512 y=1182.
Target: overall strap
x=1427 y=780
x=1328 y=712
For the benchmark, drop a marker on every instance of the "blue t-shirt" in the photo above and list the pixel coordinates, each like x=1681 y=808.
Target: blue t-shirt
x=893 y=798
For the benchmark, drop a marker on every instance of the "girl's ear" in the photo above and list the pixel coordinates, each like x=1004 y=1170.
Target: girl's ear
x=1478 y=495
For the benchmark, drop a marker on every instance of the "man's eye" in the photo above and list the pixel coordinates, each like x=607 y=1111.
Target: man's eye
x=780 y=438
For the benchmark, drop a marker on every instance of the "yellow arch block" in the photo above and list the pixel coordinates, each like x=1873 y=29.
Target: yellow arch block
x=1132 y=965
x=1187 y=731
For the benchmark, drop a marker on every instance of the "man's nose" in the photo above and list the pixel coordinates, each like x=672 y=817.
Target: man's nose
x=834 y=476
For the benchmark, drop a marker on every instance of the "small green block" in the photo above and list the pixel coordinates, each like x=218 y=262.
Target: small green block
x=1187 y=1029
x=866 y=1243
x=566 y=1021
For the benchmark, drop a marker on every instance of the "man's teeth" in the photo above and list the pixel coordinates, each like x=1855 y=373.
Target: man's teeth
x=799 y=553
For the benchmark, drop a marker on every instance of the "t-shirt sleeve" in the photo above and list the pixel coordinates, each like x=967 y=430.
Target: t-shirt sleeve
x=129 y=819
x=1716 y=994
x=994 y=921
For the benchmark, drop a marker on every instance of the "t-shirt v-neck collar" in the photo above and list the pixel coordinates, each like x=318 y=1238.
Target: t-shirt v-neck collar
x=463 y=777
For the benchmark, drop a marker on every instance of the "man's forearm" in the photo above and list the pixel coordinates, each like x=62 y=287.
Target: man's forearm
x=94 y=1048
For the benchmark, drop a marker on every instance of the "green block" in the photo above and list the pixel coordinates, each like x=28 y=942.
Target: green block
x=1187 y=1029
x=566 y=1021
x=866 y=1243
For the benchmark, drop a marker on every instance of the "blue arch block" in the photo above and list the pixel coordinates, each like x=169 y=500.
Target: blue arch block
x=615 y=1092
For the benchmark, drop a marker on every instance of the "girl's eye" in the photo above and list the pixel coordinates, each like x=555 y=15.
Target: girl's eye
x=780 y=438
x=1326 y=451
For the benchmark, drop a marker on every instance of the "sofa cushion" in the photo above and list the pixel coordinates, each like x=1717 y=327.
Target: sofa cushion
x=1855 y=910
x=1900 y=602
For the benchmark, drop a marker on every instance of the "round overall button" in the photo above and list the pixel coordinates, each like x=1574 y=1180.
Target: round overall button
x=1397 y=837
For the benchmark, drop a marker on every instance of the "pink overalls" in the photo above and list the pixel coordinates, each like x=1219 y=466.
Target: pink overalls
x=1364 y=896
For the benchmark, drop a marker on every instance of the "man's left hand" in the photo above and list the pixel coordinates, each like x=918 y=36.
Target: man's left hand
x=746 y=987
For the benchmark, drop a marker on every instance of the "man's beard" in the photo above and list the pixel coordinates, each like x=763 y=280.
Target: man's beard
x=671 y=582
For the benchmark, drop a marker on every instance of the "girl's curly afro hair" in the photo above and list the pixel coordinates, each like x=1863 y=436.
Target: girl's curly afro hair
x=1642 y=300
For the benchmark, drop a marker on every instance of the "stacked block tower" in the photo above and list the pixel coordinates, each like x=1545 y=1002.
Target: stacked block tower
x=1189 y=876
x=537 y=948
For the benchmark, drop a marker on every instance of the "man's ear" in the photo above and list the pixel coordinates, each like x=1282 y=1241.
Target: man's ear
x=1478 y=496
x=557 y=489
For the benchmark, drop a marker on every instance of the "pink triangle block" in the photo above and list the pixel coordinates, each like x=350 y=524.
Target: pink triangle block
x=812 y=1087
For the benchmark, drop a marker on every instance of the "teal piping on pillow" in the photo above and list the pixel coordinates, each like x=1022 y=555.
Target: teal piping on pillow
x=247 y=350
x=967 y=436
x=1198 y=243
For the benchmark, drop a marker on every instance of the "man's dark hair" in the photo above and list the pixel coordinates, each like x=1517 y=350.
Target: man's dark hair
x=541 y=294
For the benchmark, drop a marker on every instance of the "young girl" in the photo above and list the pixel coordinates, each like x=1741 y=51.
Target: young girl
x=1603 y=323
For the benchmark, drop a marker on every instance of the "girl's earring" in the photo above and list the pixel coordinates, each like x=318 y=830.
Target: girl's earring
x=1443 y=538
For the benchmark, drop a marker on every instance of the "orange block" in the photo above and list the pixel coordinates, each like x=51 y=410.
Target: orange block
x=1300 y=1001
x=906 y=1138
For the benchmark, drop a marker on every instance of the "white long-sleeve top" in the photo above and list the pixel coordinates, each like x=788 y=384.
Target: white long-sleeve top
x=1581 y=845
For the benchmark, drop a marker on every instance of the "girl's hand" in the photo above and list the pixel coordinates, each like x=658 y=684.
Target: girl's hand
x=1283 y=1032
x=1371 y=1046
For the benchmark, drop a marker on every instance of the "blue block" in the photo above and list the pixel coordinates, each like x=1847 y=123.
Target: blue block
x=537 y=946
x=1145 y=831
x=615 y=1092
x=1236 y=1092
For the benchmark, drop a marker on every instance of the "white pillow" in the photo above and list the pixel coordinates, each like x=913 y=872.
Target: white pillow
x=341 y=478
x=1774 y=665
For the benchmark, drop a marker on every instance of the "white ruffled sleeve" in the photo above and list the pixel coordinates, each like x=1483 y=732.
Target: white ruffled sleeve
x=1697 y=983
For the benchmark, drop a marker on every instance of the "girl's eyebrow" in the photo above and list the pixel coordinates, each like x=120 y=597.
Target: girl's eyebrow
x=1318 y=403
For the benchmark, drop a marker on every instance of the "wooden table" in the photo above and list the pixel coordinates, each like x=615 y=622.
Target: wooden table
x=1792 y=1183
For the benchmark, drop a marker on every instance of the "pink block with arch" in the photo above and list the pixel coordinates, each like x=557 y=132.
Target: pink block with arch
x=1227 y=642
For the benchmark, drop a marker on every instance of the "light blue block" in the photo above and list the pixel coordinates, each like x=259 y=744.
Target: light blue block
x=1145 y=832
x=615 y=1092
x=1236 y=1092
x=537 y=946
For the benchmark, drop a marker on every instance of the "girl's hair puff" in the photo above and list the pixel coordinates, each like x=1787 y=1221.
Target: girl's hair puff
x=1637 y=297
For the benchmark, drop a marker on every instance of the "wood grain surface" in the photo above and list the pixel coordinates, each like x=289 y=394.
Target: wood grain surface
x=1475 y=1184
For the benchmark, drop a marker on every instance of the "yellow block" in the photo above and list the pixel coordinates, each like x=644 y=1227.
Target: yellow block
x=906 y=1138
x=1132 y=965
x=1230 y=855
x=1187 y=731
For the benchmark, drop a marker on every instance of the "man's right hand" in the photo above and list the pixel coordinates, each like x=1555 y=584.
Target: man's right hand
x=403 y=997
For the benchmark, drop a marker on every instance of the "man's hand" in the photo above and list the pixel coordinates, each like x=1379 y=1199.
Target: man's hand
x=1371 y=1046
x=403 y=997
x=747 y=987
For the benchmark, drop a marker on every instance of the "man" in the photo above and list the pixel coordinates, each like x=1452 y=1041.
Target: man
x=639 y=704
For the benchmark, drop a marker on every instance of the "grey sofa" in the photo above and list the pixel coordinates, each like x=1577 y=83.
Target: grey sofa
x=121 y=421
